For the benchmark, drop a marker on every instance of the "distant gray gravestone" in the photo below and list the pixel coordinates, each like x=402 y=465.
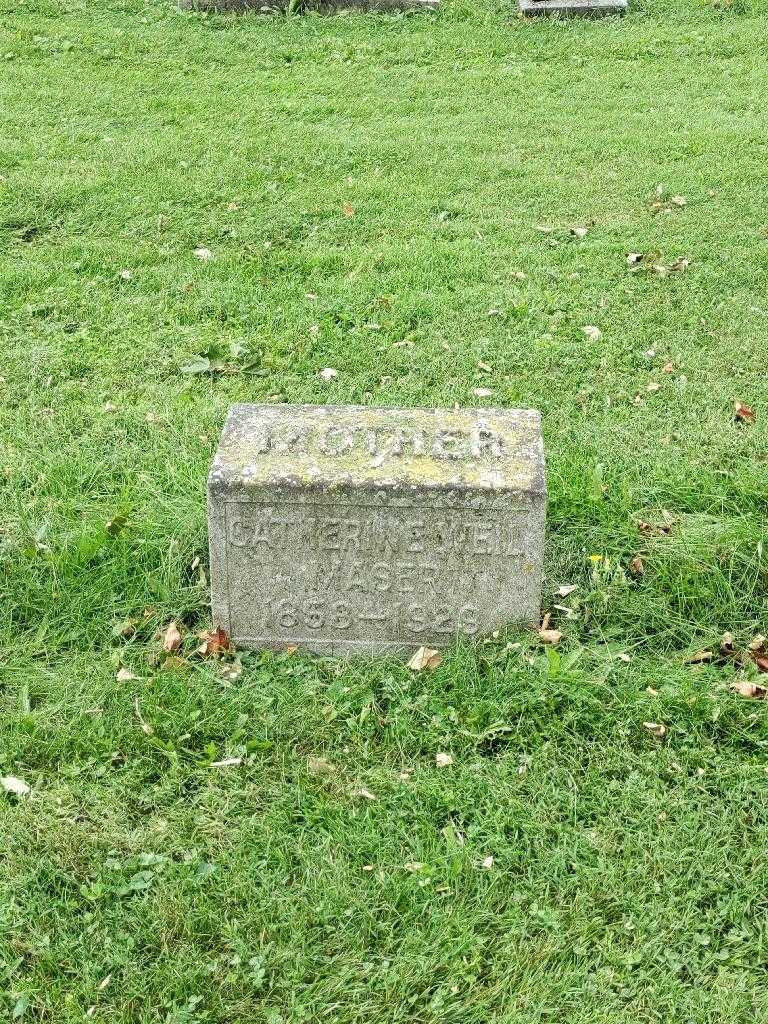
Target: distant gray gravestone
x=241 y=6
x=344 y=529
x=587 y=8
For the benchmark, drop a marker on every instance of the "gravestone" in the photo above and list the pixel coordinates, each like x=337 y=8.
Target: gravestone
x=588 y=8
x=241 y=6
x=344 y=529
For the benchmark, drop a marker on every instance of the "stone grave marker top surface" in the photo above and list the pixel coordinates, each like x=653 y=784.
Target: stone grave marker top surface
x=349 y=529
x=332 y=446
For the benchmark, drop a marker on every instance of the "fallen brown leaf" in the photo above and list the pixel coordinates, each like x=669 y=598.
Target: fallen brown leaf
x=215 y=643
x=757 y=643
x=637 y=565
x=745 y=688
x=171 y=637
x=743 y=413
x=425 y=658
x=124 y=675
x=550 y=636
x=348 y=210
x=727 y=647
x=657 y=729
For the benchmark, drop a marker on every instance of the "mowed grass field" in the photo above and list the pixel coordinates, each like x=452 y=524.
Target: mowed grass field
x=371 y=192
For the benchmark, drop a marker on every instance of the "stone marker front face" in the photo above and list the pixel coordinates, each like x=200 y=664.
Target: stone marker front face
x=343 y=529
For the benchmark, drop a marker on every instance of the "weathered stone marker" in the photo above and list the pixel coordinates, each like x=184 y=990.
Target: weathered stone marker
x=587 y=8
x=243 y=6
x=343 y=529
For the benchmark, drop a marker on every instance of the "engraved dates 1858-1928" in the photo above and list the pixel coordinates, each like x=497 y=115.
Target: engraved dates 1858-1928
x=318 y=614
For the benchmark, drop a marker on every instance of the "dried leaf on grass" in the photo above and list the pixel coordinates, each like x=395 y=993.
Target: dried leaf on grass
x=550 y=636
x=745 y=688
x=657 y=729
x=727 y=645
x=743 y=413
x=758 y=652
x=637 y=565
x=171 y=637
x=214 y=643
x=443 y=760
x=124 y=675
x=425 y=658
x=15 y=786
x=547 y=635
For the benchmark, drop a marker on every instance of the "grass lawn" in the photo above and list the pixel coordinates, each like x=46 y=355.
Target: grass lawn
x=371 y=190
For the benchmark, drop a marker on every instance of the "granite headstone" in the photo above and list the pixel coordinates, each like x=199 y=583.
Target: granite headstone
x=344 y=529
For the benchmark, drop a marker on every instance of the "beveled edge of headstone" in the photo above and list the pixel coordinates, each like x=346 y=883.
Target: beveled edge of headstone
x=583 y=8
x=247 y=458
